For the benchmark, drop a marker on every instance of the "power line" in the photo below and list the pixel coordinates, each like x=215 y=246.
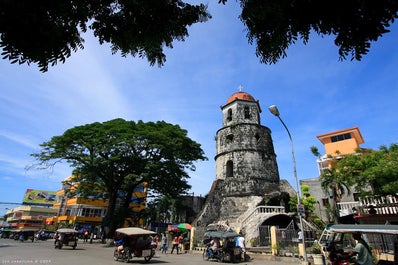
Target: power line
x=14 y=203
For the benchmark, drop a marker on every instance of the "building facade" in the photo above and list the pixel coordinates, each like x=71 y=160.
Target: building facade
x=88 y=213
x=337 y=144
x=28 y=217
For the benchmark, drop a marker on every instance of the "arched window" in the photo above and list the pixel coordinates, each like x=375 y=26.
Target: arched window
x=230 y=169
x=247 y=112
x=229 y=117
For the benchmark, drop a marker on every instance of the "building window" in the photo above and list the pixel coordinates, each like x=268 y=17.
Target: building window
x=247 y=112
x=340 y=137
x=325 y=202
x=230 y=169
x=230 y=138
x=229 y=116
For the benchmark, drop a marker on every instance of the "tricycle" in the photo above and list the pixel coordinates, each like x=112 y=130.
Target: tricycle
x=380 y=240
x=66 y=237
x=133 y=242
x=227 y=251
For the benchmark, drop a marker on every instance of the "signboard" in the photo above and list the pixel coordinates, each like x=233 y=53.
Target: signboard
x=301 y=210
x=39 y=197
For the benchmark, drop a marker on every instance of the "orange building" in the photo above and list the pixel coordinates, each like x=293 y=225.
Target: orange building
x=338 y=144
x=85 y=213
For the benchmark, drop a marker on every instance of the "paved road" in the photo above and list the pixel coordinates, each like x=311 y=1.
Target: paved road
x=43 y=252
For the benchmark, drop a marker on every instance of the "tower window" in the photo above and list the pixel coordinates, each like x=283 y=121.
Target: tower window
x=229 y=116
x=230 y=169
x=257 y=136
x=230 y=138
x=247 y=112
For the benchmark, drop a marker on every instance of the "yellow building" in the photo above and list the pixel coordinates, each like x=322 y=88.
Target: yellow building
x=85 y=213
x=28 y=217
x=36 y=206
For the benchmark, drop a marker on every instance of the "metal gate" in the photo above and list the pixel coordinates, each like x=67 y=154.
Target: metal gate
x=265 y=235
x=286 y=236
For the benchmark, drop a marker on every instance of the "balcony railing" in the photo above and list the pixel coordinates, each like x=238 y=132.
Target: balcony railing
x=370 y=205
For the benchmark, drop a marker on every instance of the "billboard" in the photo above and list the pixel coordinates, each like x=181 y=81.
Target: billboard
x=39 y=197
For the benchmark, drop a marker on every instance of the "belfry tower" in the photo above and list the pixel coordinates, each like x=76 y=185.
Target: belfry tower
x=246 y=168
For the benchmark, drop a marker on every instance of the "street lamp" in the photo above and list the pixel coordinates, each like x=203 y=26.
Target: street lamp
x=274 y=110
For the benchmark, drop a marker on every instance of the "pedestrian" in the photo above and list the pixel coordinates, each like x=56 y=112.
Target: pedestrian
x=156 y=241
x=85 y=235
x=175 y=244
x=181 y=243
x=300 y=236
x=242 y=245
x=164 y=243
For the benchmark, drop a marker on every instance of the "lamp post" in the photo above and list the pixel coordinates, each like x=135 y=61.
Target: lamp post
x=274 y=110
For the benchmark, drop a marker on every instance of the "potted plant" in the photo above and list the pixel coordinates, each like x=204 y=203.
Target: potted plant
x=316 y=248
x=316 y=251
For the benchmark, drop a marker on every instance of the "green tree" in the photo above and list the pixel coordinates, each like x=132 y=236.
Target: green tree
x=367 y=172
x=47 y=32
x=111 y=159
x=307 y=199
x=334 y=184
x=275 y=25
x=372 y=172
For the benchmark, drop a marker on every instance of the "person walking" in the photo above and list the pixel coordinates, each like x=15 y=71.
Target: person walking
x=241 y=244
x=181 y=243
x=175 y=244
x=164 y=243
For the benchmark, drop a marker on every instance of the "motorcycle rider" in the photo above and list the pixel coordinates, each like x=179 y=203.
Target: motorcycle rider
x=214 y=245
x=120 y=247
x=361 y=251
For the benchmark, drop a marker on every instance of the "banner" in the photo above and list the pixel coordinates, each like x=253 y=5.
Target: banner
x=39 y=197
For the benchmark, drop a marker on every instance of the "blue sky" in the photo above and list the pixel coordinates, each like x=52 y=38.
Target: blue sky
x=314 y=92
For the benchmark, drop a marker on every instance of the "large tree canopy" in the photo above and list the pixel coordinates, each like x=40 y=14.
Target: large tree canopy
x=276 y=24
x=46 y=32
x=111 y=159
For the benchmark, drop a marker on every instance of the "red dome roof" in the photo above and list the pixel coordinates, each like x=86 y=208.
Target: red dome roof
x=241 y=96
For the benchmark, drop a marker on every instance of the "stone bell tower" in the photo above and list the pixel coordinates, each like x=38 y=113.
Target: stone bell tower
x=246 y=168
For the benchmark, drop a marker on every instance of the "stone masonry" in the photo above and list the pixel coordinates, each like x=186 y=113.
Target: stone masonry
x=246 y=168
